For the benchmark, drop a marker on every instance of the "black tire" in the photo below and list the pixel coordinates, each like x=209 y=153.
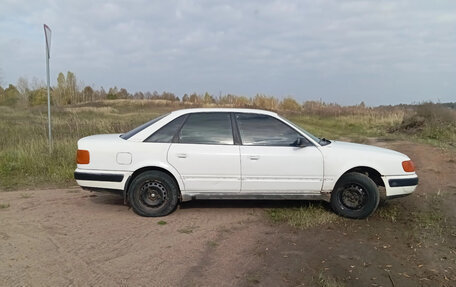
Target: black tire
x=153 y=193
x=355 y=196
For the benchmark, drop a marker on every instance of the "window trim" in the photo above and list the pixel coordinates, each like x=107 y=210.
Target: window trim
x=235 y=128
x=276 y=118
x=176 y=138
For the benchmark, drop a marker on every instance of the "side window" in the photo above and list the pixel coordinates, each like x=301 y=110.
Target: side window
x=136 y=130
x=264 y=130
x=166 y=133
x=207 y=128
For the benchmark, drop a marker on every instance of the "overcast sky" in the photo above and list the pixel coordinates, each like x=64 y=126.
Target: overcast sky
x=379 y=52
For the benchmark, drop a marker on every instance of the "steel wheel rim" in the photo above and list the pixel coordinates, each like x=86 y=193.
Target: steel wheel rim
x=353 y=196
x=153 y=194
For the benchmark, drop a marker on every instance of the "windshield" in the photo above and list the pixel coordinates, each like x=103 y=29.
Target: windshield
x=321 y=141
x=136 y=130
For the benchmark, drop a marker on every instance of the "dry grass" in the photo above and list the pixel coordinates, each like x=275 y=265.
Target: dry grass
x=26 y=162
x=308 y=215
x=187 y=229
x=433 y=123
x=325 y=280
x=389 y=211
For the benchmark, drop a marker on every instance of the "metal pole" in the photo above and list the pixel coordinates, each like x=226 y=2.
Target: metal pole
x=48 y=55
x=49 y=103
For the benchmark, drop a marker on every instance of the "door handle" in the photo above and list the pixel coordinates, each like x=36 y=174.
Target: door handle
x=181 y=155
x=254 y=157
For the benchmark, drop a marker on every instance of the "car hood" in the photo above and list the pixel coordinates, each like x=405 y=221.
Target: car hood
x=341 y=146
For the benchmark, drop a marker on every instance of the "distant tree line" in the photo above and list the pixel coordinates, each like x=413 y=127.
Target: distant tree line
x=69 y=92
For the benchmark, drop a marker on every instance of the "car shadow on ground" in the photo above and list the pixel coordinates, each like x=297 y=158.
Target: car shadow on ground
x=108 y=198
x=251 y=204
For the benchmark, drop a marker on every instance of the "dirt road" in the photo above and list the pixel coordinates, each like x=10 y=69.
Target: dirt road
x=74 y=237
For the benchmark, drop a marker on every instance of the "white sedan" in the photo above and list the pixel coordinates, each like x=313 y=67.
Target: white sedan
x=238 y=154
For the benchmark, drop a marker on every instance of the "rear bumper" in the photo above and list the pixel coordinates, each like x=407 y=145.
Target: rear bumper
x=114 y=177
x=397 y=186
x=97 y=179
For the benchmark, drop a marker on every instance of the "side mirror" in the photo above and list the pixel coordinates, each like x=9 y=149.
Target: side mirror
x=301 y=142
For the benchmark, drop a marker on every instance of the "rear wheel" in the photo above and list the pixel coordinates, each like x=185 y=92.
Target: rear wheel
x=153 y=193
x=355 y=196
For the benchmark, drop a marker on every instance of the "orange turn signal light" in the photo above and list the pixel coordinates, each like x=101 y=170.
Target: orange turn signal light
x=408 y=166
x=83 y=156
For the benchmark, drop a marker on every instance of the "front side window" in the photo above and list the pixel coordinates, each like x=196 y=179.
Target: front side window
x=207 y=128
x=166 y=133
x=264 y=130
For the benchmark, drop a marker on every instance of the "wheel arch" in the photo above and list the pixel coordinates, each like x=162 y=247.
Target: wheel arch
x=149 y=168
x=370 y=172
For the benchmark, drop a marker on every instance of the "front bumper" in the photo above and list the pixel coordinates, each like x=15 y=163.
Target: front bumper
x=397 y=186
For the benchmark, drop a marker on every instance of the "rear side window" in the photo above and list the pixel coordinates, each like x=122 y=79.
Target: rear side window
x=207 y=128
x=264 y=130
x=166 y=133
x=136 y=130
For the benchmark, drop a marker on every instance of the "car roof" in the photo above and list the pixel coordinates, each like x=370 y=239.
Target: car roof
x=226 y=110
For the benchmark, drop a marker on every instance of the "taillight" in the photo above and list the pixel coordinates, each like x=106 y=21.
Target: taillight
x=408 y=166
x=83 y=156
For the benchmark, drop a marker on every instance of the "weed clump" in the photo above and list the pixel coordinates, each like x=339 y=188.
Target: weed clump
x=431 y=122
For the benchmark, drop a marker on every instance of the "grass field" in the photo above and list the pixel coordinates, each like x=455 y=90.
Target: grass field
x=25 y=161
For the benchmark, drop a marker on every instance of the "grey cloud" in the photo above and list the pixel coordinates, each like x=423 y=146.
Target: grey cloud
x=379 y=52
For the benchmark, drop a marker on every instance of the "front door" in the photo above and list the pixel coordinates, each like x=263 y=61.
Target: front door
x=271 y=162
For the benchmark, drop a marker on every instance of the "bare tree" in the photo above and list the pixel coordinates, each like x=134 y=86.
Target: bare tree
x=72 y=87
x=24 y=90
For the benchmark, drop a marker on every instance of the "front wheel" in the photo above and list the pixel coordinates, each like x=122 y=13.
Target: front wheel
x=355 y=196
x=153 y=193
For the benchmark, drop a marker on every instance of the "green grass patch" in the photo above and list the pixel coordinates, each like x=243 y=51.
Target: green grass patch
x=161 y=222
x=187 y=229
x=4 y=205
x=388 y=211
x=307 y=215
x=355 y=127
x=212 y=244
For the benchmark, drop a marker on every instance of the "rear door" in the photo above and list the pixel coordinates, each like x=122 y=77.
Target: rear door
x=205 y=155
x=270 y=160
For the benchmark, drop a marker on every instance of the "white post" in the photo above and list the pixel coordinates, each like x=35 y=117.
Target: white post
x=47 y=35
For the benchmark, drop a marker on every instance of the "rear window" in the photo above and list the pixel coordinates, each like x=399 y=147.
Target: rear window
x=136 y=130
